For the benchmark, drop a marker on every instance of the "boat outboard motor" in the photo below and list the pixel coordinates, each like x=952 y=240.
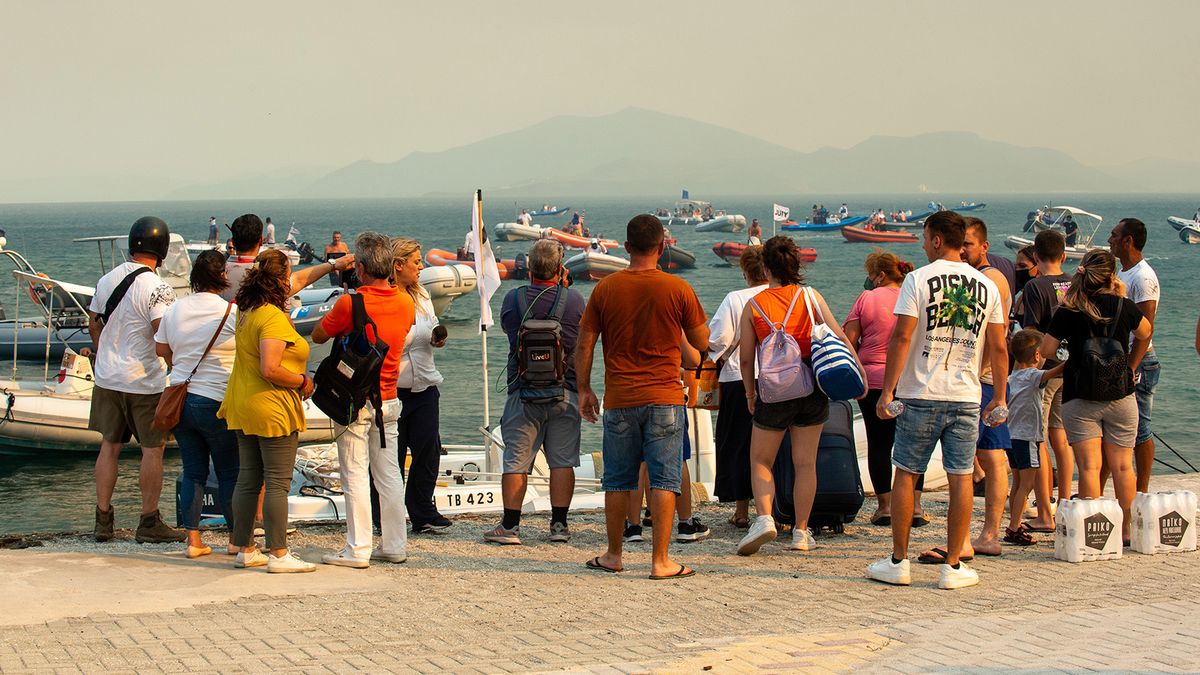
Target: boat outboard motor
x=150 y=235
x=520 y=267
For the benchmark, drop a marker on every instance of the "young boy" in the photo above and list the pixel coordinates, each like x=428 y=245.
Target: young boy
x=1025 y=425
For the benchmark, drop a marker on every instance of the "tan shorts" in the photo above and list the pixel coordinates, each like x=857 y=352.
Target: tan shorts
x=118 y=415
x=1052 y=404
x=1114 y=421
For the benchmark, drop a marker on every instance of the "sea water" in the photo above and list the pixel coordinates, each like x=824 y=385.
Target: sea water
x=55 y=491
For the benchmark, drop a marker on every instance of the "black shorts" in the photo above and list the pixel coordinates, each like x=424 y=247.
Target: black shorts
x=797 y=412
x=1023 y=455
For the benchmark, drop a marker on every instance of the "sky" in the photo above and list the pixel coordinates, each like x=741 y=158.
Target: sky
x=150 y=96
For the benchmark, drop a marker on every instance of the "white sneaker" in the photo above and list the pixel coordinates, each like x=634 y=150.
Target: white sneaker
x=957 y=578
x=254 y=558
x=761 y=531
x=802 y=540
x=343 y=559
x=287 y=563
x=378 y=554
x=889 y=572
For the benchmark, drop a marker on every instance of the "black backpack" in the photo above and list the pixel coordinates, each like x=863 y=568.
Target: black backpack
x=1103 y=373
x=349 y=376
x=541 y=357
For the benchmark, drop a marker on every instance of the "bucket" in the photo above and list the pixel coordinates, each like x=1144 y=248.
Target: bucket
x=1088 y=530
x=1163 y=522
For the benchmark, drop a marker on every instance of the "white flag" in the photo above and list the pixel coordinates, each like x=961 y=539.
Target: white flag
x=485 y=263
x=781 y=213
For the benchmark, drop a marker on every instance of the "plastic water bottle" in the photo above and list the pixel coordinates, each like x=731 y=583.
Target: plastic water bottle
x=895 y=408
x=998 y=415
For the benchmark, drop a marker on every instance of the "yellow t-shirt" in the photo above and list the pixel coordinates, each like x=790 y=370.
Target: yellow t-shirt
x=252 y=404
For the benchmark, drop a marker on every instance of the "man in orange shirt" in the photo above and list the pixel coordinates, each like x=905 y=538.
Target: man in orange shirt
x=640 y=313
x=392 y=311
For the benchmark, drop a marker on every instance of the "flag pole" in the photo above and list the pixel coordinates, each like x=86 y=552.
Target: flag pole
x=487 y=423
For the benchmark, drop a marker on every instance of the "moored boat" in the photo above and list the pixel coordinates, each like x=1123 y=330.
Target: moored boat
x=593 y=265
x=859 y=234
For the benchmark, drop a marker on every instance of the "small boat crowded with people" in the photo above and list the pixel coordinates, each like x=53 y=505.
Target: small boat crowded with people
x=861 y=234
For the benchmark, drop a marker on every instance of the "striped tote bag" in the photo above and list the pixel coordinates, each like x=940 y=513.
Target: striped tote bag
x=833 y=364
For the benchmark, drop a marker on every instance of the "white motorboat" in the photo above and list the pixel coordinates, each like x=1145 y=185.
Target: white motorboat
x=446 y=283
x=51 y=414
x=1180 y=223
x=518 y=232
x=723 y=222
x=1072 y=222
x=1076 y=252
x=1190 y=234
x=593 y=265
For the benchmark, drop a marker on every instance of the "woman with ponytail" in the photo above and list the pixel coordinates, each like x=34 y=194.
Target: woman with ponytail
x=868 y=329
x=1100 y=413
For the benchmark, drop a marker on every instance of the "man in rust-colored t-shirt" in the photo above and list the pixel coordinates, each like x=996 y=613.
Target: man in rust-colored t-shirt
x=640 y=313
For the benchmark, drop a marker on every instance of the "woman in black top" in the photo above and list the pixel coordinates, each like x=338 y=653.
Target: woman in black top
x=1100 y=418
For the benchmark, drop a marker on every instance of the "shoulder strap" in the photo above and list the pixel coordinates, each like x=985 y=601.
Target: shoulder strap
x=560 y=303
x=523 y=301
x=119 y=292
x=213 y=341
x=792 y=305
x=358 y=311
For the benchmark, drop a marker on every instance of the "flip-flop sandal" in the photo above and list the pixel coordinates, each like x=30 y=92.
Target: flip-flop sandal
x=595 y=564
x=882 y=521
x=938 y=557
x=683 y=572
x=920 y=521
x=1043 y=530
x=1018 y=537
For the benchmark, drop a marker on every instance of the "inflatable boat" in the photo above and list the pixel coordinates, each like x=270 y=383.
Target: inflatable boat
x=1190 y=234
x=437 y=257
x=518 y=232
x=858 y=234
x=675 y=258
x=830 y=224
x=446 y=283
x=549 y=212
x=593 y=265
x=723 y=223
x=731 y=252
x=575 y=241
x=1180 y=223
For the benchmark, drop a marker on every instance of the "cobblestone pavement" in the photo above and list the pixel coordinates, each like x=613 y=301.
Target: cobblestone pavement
x=460 y=605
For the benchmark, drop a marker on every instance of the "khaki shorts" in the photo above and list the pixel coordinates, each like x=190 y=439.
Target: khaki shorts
x=1114 y=421
x=117 y=415
x=1052 y=404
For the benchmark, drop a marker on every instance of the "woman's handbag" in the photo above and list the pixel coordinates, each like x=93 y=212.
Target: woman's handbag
x=708 y=386
x=170 y=402
x=833 y=363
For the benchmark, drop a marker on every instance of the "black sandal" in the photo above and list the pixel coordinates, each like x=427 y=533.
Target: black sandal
x=1018 y=537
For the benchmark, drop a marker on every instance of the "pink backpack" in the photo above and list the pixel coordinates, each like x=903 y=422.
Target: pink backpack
x=782 y=373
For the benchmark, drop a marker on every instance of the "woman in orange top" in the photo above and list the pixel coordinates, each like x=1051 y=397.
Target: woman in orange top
x=801 y=417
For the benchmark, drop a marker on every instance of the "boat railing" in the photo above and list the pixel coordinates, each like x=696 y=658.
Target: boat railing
x=54 y=305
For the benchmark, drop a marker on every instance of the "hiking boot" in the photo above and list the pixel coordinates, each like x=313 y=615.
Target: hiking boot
x=957 y=578
x=152 y=530
x=802 y=540
x=104 y=524
x=499 y=535
x=560 y=533
x=896 y=574
x=692 y=530
x=288 y=563
x=761 y=531
x=633 y=533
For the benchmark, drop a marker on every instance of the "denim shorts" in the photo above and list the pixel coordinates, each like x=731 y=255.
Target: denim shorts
x=553 y=427
x=991 y=438
x=1149 y=370
x=649 y=433
x=924 y=423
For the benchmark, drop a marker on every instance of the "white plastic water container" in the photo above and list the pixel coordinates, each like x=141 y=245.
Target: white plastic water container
x=1163 y=522
x=1088 y=530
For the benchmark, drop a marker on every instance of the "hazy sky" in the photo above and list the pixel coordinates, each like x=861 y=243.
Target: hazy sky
x=179 y=92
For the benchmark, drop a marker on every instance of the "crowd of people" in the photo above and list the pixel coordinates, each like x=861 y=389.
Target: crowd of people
x=990 y=361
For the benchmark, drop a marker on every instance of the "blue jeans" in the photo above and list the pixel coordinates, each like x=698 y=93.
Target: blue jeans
x=1149 y=369
x=202 y=438
x=924 y=423
x=650 y=433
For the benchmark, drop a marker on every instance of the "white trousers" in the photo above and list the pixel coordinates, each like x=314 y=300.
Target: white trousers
x=359 y=450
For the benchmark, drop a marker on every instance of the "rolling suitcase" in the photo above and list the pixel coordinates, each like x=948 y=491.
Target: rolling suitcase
x=839 y=485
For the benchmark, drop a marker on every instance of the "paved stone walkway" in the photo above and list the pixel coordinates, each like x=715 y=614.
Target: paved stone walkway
x=460 y=605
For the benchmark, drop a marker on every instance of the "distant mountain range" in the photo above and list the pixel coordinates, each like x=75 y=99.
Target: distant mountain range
x=636 y=152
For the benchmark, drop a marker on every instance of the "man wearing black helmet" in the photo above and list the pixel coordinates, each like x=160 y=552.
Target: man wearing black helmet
x=125 y=311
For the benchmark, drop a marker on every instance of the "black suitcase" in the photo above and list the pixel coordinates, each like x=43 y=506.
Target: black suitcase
x=839 y=485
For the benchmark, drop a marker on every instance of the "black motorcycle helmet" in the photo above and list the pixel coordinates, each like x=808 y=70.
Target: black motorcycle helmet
x=150 y=235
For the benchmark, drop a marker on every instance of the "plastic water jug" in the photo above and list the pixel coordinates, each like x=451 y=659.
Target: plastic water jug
x=1163 y=522
x=1087 y=530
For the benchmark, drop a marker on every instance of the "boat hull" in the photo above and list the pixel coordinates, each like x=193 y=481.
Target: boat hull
x=1072 y=252
x=731 y=252
x=517 y=232
x=1180 y=223
x=726 y=223
x=440 y=258
x=675 y=258
x=447 y=283
x=575 y=241
x=553 y=212
x=858 y=234
x=828 y=226
x=1190 y=234
x=594 y=266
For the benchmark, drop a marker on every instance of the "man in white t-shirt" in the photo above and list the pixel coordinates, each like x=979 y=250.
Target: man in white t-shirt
x=1126 y=242
x=247 y=231
x=949 y=316
x=525 y=218
x=269 y=237
x=124 y=314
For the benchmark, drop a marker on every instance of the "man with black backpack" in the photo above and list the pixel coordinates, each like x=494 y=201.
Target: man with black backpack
x=124 y=313
x=356 y=387
x=542 y=324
